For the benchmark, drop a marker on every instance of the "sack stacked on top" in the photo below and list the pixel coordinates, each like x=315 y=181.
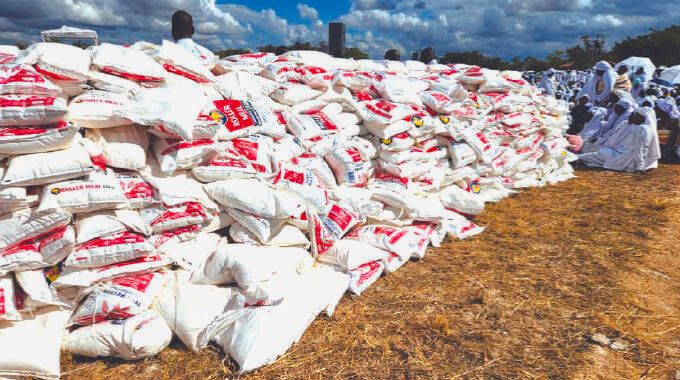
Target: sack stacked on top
x=222 y=208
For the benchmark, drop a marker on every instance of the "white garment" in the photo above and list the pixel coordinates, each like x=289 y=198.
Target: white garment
x=203 y=54
x=614 y=119
x=593 y=126
x=608 y=77
x=548 y=85
x=630 y=148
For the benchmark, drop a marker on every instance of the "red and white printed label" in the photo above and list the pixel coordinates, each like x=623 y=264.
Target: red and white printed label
x=367 y=271
x=178 y=71
x=52 y=75
x=138 y=283
x=322 y=120
x=122 y=238
x=238 y=115
x=131 y=76
x=7 y=101
x=177 y=146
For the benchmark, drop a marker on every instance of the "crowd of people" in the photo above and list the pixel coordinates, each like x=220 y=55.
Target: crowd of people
x=616 y=115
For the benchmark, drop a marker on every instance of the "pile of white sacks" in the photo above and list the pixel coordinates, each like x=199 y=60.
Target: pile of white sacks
x=141 y=196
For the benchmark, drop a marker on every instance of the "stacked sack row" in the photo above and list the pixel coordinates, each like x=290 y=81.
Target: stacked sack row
x=141 y=196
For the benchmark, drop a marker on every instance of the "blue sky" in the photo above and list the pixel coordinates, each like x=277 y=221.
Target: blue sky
x=503 y=28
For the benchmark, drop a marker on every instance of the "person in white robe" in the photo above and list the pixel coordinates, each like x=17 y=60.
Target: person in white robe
x=632 y=147
x=601 y=84
x=622 y=110
x=594 y=121
x=547 y=84
x=669 y=115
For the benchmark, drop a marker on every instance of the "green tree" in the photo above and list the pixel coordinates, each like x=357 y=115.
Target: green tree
x=356 y=53
x=228 y=52
x=515 y=64
x=534 y=64
x=269 y=48
x=661 y=46
x=557 y=58
x=590 y=50
x=474 y=58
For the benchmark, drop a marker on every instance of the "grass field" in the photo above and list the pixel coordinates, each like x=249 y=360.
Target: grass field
x=595 y=255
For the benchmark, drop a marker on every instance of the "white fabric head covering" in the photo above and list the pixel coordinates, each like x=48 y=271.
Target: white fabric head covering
x=603 y=66
x=615 y=119
x=592 y=127
x=668 y=106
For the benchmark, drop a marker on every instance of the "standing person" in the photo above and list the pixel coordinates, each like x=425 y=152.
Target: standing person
x=392 y=55
x=182 y=33
x=427 y=56
x=601 y=84
x=623 y=82
x=547 y=84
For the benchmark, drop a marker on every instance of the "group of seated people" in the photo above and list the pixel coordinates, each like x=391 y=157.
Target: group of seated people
x=616 y=126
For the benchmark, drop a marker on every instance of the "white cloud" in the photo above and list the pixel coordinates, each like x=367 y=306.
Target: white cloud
x=307 y=13
x=363 y=5
x=516 y=6
x=385 y=20
x=607 y=20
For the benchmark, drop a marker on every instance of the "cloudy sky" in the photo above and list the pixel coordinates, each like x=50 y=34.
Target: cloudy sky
x=504 y=28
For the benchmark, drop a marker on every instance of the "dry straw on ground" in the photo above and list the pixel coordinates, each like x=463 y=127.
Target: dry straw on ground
x=555 y=266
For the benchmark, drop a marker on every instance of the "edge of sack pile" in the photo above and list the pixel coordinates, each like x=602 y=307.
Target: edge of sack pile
x=143 y=197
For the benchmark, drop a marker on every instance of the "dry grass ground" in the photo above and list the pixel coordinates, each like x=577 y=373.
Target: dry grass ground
x=598 y=254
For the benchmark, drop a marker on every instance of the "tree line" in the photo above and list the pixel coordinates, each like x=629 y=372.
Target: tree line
x=662 y=46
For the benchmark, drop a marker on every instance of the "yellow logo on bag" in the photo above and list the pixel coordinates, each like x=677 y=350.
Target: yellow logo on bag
x=444 y=119
x=218 y=116
x=55 y=190
x=52 y=273
x=417 y=121
x=475 y=187
x=386 y=141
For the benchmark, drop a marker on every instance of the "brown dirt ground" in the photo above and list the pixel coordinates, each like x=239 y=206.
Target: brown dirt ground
x=597 y=254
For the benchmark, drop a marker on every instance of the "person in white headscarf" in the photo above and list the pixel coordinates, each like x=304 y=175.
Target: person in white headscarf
x=634 y=145
x=600 y=85
x=547 y=84
x=614 y=98
x=650 y=96
x=640 y=83
x=622 y=110
x=594 y=120
x=669 y=107
x=669 y=117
